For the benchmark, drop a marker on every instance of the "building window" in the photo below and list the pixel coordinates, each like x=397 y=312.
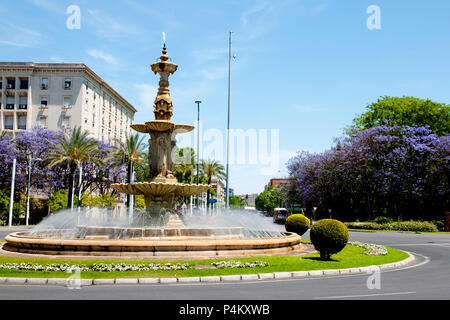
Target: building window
x=68 y=83
x=11 y=84
x=44 y=83
x=44 y=101
x=24 y=84
x=9 y=122
x=22 y=103
x=22 y=122
x=1 y=83
x=43 y=121
x=67 y=102
x=66 y=123
x=9 y=103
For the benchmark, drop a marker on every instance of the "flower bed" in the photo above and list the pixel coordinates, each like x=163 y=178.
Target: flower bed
x=370 y=249
x=238 y=264
x=103 y=267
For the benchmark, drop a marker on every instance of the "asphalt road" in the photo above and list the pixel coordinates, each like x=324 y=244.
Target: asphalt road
x=428 y=278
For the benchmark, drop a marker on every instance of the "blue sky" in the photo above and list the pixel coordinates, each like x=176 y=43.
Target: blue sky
x=305 y=67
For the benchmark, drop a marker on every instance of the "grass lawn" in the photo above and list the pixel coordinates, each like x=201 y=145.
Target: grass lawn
x=351 y=256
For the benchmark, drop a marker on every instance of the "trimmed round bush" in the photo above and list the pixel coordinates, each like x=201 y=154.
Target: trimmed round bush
x=297 y=223
x=329 y=236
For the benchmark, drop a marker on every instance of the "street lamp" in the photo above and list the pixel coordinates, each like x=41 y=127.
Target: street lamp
x=198 y=141
x=11 y=199
x=227 y=190
x=30 y=168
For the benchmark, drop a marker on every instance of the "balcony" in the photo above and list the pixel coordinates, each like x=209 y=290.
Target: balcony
x=66 y=110
x=23 y=106
x=23 y=92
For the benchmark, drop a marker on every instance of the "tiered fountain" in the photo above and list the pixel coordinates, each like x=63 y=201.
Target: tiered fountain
x=158 y=231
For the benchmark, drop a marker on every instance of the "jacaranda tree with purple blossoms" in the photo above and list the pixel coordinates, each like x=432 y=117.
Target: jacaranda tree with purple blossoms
x=398 y=171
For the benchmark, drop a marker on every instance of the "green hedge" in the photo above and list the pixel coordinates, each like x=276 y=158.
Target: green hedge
x=415 y=226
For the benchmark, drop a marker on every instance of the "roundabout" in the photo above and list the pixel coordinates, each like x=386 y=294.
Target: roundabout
x=423 y=277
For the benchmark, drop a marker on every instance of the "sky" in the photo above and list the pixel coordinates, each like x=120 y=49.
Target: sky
x=304 y=69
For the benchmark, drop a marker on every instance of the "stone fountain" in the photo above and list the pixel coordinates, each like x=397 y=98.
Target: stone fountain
x=161 y=234
x=162 y=189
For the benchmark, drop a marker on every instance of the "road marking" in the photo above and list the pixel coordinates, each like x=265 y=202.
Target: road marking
x=442 y=244
x=366 y=295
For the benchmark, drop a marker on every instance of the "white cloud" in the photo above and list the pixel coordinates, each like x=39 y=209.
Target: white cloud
x=147 y=94
x=102 y=55
x=257 y=20
x=214 y=73
x=108 y=27
x=48 y=5
x=18 y=36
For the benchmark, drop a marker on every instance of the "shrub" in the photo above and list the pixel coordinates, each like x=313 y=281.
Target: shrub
x=57 y=201
x=440 y=225
x=102 y=201
x=297 y=223
x=364 y=225
x=382 y=220
x=329 y=237
x=417 y=226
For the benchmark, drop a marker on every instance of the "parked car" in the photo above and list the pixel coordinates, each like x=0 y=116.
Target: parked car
x=280 y=215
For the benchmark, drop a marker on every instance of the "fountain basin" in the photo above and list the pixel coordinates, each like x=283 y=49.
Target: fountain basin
x=173 y=247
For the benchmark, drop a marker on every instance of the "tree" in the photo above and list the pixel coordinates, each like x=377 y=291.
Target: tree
x=212 y=168
x=398 y=171
x=184 y=164
x=236 y=202
x=406 y=111
x=269 y=199
x=129 y=154
x=72 y=151
x=32 y=145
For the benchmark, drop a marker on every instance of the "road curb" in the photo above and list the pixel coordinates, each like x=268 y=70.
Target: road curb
x=208 y=279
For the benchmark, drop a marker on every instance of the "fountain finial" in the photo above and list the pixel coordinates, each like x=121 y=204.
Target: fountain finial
x=164 y=56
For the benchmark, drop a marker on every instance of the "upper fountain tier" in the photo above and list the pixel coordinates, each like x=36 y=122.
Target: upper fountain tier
x=163 y=103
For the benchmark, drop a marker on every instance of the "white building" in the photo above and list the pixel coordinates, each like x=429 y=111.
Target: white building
x=60 y=96
x=219 y=188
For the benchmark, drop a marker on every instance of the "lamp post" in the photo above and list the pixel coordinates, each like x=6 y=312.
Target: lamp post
x=30 y=168
x=11 y=199
x=198 y=141
x=80 y=179
x=227 y=191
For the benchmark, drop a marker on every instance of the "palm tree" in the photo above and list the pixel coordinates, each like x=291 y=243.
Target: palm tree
x=130 y=153
x=72 y=151
x=210 y=169
x=184 y=165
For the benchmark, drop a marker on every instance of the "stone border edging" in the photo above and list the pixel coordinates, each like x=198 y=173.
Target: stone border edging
x=209 y=279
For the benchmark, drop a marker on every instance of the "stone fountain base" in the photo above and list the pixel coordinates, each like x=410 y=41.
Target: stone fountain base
x=190 y=243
